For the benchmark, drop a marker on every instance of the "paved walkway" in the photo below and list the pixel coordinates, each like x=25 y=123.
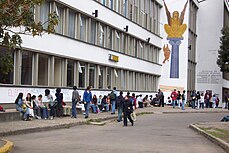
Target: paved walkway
x=20 y=127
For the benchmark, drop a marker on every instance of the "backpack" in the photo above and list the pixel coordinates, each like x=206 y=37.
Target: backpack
x=112 y=96
x=119 y=101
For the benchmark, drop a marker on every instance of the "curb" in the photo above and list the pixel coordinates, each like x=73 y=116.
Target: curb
x=7 y=147
x=61 y=126
x=195 y=112
x=212 y=138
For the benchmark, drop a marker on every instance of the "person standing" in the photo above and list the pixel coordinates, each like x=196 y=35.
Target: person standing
x=113 y=97
x=120 y=101
x=87 y=98
x=178 y=98
x=193 y=99
x=226 y=100
x=214 y=101
x=127 y=109
x=198 y=99
x=207 y=99
x=75 y=99
x=202 y=100
x=183 y=100
x=59 y=98
x=161 y=98
x=174 y=98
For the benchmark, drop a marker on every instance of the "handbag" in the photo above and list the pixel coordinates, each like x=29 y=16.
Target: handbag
x=133 y=116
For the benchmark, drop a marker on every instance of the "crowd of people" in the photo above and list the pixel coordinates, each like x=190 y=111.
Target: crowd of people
x=48 y=107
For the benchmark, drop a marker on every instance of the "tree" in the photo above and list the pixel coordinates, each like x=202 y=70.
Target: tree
x=223 y=57
x=17 y=18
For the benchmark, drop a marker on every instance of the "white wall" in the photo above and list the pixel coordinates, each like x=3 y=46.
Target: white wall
x=210 y=23
x=175 y=5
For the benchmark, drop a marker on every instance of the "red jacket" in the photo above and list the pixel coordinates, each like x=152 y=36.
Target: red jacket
x=174 y=95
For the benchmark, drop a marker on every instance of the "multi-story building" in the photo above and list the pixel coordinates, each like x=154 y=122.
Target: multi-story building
x=120 y=43
x=104 y=44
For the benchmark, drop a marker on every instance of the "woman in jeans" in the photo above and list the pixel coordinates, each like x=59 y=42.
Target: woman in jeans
x=21 y=107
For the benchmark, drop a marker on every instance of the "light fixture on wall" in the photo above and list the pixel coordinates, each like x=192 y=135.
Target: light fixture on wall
x=189 y=47
x=95 y=13
x=148 y=39
x=126 y=28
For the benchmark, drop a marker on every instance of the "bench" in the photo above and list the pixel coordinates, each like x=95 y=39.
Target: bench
x=10 y=115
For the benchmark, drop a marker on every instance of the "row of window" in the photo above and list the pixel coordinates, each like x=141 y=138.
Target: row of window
x=79 y=26
x=31 y=68
x=146 y=13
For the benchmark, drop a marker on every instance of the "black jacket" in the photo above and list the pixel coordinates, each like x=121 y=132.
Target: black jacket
x=127 y=106
x=120 y=101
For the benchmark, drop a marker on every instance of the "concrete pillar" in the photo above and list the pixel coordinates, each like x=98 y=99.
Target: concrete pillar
x=35 y=69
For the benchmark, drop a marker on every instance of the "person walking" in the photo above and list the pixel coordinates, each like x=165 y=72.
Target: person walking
x=161 y=98
x=75 y=99
x=198 y=99
x=226 y=100
x=127 y=110
x=207 y=99
x=120 y=101
x=178 y=99
x=87 y=98
x=174 y=98
x=183 y=100
x=113 y=97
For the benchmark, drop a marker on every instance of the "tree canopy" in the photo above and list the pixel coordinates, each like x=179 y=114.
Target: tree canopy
x=223 y=57
x=17 y=18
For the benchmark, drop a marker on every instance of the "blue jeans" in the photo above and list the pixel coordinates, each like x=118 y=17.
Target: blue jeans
x=94 y=108
x=25 y=112
x=74 y=108
x=87 y=107
x=119 y=113
x=193 y=104
x=44 y=112
x=113 y=106
x=183 y=102
x=174 y=103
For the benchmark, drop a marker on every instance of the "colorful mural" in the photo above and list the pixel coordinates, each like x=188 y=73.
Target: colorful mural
x=166 y=51
x=175 y=30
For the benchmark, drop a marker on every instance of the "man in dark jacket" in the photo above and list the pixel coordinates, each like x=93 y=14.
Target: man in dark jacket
x=127 y=109
x=59 y=98
x=120 y=101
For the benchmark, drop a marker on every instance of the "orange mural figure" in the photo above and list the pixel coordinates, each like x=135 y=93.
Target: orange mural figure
x=175 y=27
x=166 y=53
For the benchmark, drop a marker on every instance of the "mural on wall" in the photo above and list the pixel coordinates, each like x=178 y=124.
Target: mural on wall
x=175 y=30
x=166 y=51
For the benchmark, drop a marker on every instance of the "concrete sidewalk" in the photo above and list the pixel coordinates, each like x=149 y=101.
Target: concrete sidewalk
x=22 y=127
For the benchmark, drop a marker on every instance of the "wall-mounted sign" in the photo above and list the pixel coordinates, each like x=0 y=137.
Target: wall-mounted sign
x=113 y=58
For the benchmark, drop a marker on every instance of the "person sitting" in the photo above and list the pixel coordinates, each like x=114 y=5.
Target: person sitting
x=155 y=101
x=146 y=101
x=36 y=108
x=225 y=119
x=140 y=101
x=43 y=108
x=1 y=109
x=29 y=104
x=21 y=107
x=94 y=104
x=105 y=104
x=99 y=102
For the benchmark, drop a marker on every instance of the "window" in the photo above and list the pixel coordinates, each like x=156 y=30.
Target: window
x=109 y=78
x=118 y=2
x=60 y=13
x=6 y=78
x=82 y=28
x=102 y=40
x=93 y=32
x=117 y=41
x=110 y=39
x=125 y=8
x=71 y=24
x=44 y=11
x=124 y=43
x=57 y=72
x=112 y=4
x=26 y=68
x=82 y=74
x=43 y=70
x=92 y=75
x=70 y=73
x=101 y=76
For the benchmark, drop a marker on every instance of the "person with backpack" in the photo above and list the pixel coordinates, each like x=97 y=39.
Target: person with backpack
x=120 y=101
x=113 y=97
